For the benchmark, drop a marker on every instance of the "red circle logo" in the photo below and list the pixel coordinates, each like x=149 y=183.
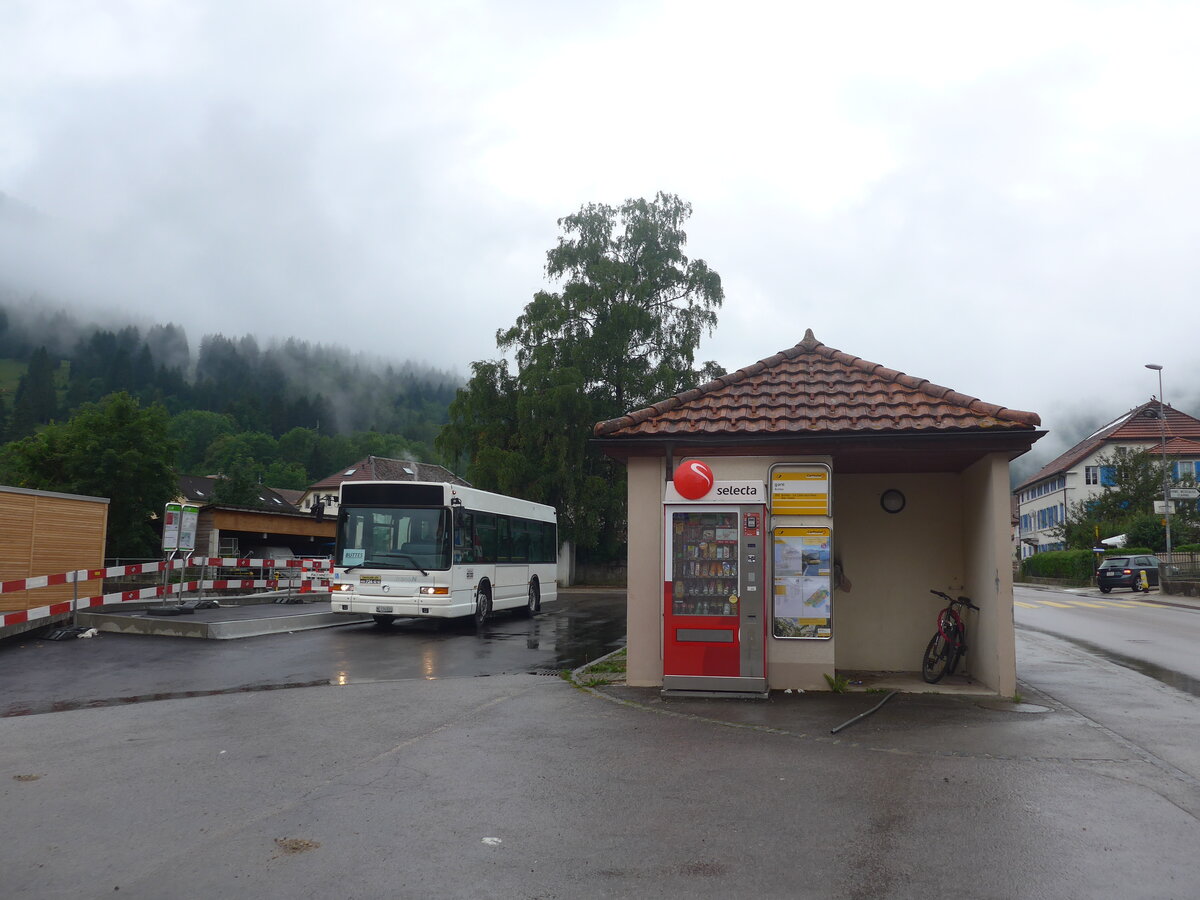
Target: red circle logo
x=693 y=479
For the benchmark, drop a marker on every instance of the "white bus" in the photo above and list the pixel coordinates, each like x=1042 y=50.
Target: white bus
x=440 y=550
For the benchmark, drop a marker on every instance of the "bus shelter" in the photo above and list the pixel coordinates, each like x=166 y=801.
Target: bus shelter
x=787 y=521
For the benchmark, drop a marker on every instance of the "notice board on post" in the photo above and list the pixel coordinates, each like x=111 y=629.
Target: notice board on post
x=800 y=490
x=803 y=584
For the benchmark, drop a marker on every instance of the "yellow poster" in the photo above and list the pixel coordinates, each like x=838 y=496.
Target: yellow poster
x=800 y=492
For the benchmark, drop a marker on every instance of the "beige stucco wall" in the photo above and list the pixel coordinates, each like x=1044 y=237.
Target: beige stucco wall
x=644 y=625
x=892 y=561
x=988 y=562
x=953 y=535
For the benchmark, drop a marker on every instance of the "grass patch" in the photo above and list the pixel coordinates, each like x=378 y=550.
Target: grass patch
x=611 y=664
x=837 y=683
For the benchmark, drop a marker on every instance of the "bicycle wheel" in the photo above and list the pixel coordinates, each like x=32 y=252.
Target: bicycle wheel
x=936 y=660
x=956 y=646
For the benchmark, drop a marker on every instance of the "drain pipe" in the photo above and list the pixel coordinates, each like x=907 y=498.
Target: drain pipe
x=864 y=715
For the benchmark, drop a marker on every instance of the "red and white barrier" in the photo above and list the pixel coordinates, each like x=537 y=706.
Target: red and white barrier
x=19 y=617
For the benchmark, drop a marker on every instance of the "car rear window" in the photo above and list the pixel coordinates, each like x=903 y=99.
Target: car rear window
x=1115 y=562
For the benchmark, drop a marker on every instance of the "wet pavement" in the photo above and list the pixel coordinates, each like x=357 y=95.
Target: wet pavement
x=410 y=777
x=111 y=669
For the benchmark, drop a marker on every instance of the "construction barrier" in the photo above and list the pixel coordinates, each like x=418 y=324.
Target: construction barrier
x=20 y=617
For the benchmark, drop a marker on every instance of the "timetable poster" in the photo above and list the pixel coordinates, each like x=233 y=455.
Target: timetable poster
x=803 y=589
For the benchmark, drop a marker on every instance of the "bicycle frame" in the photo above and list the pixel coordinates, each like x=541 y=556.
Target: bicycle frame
x=949 y=643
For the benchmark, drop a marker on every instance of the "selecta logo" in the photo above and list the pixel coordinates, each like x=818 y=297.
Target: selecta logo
x=693 y=479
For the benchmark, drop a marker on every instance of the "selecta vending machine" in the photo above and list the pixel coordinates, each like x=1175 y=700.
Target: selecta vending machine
x=715 y=599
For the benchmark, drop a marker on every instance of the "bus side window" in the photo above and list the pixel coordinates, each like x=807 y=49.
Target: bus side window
x=503 y=539
x=520 y=539
x=485 y=537
x=464 y=537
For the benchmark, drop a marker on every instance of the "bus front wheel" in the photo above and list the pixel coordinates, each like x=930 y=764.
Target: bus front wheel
x=483 y=606
x=534 y=604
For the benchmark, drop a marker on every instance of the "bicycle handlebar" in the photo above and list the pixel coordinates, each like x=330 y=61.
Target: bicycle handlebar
x=964 y=600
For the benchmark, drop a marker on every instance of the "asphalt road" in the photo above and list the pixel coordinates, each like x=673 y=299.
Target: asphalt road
x=43 y=676
x=520 y=785
x=1135 y=630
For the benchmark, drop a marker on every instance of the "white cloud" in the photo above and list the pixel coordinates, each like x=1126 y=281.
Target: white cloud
x=982 y=195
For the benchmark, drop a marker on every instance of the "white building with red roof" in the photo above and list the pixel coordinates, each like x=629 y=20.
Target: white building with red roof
x=1080 y=474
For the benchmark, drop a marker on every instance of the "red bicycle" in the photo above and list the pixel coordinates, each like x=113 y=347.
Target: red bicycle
x=949 y=644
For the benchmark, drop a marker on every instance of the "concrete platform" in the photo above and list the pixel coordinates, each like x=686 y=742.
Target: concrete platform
x=227 y=622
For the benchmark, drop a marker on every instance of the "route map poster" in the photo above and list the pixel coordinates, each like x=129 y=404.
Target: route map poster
x=803 y=589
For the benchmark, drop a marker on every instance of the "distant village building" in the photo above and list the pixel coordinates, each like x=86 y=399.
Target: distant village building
x=324 y=493
x=1044 y=499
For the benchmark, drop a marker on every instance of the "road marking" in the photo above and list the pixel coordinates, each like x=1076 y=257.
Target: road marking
x=1026 y=605
x=1085 y=603
x=1052 y=603
x=1120 y=604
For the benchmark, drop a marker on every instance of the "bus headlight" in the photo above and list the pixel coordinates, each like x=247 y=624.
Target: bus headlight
x=430 y=591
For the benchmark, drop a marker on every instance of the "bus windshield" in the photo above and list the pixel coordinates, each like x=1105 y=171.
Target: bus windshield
x=393 y=538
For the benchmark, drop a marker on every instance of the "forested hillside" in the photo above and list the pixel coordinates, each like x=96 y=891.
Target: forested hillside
x=286 y=412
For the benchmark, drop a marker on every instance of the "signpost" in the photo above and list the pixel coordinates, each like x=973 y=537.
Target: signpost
x=1183 y=494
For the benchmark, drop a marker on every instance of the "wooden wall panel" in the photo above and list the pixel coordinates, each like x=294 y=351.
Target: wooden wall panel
x=49 y=535
x=244 y=520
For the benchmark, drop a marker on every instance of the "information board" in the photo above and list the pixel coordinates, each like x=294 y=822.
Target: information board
x=803 y=588
x=800 y=490
x=172 y=514
x=188 y=519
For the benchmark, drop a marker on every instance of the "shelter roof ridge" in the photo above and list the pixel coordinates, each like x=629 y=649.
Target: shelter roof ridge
x=855 y=385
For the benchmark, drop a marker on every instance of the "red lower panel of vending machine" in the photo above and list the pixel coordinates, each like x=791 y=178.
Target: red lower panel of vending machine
x=702 y=643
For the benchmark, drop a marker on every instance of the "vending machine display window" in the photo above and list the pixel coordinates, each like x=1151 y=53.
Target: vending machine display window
x=704 y=564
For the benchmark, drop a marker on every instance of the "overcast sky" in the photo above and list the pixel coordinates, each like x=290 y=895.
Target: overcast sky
x=1001 y=198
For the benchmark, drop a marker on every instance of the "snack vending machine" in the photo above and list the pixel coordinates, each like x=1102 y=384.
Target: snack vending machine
x=715 y=596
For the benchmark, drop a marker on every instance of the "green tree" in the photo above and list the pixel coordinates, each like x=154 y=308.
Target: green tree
x=240 y=483
x=621 y=333
x=1133 y=481
x=114 y=448
x=195 y=430
x=256 y=447
x=36 y=400
x=290 y=475
x=632 y=309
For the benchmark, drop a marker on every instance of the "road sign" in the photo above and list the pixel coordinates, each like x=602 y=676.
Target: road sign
x=1183 y=494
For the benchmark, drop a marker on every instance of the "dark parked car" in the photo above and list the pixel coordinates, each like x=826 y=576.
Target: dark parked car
x=1126 y=572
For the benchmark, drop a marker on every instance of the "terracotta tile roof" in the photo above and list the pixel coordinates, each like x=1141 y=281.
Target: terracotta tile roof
x=1177 y=447
x=378 y=468
x=812 y=389
x=199 y=489
x=1132 y=427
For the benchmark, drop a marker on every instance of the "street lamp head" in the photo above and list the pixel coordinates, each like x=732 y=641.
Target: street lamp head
x=1155 y=366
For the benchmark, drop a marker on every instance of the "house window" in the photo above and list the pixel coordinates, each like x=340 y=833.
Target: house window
x=1091 y=475
x=1185 y=468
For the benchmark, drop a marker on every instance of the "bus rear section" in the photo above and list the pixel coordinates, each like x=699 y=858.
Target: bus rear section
x=434 y=550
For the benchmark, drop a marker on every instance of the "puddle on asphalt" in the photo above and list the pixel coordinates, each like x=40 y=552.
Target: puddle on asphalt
x=1169 y=677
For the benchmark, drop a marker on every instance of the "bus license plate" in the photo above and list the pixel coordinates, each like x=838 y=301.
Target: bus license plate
x=383 y=609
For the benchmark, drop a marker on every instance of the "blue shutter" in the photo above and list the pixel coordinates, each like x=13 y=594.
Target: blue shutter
x=1108 y=476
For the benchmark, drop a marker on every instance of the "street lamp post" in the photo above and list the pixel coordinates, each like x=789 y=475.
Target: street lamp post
x=1162 y=427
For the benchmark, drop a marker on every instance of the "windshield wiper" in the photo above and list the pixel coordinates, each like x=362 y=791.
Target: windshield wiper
x=409 y=558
